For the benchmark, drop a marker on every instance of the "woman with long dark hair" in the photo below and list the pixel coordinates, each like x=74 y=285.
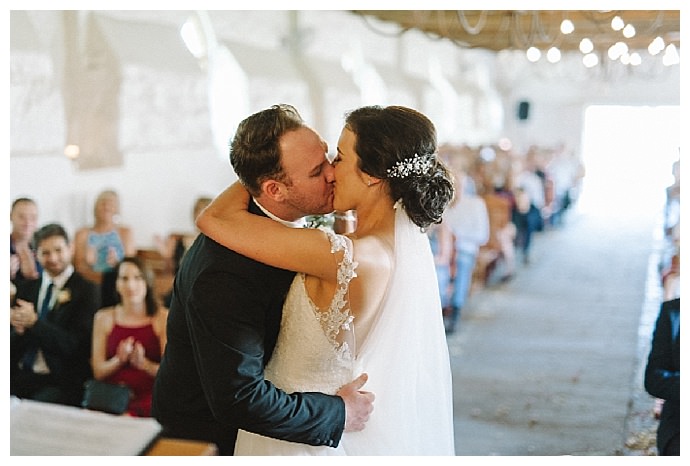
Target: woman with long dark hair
x=129 y=337
x=363 y=302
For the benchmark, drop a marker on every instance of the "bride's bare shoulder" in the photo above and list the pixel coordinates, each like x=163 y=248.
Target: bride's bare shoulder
x=373 y=252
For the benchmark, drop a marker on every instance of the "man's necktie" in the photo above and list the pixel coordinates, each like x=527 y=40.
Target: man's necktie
x=30 y=356
x=45 y=306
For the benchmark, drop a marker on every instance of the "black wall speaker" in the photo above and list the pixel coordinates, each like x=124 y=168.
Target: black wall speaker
x=523 y=110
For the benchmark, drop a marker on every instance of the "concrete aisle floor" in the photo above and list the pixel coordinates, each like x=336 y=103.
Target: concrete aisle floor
x=551 y=362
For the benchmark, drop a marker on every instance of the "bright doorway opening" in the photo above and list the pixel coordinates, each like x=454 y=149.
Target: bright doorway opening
x=628 y=154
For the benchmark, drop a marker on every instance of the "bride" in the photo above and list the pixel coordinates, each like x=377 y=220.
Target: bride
x=364 y=302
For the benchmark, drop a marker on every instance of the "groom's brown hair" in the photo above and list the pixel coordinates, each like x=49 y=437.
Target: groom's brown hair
x=255 y=149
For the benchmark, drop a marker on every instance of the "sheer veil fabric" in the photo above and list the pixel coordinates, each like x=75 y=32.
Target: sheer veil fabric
x=406 y=357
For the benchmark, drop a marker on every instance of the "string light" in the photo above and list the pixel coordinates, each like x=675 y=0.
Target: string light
x=617 y=23
x=567 y=26
x=538 y=35
x=629 y=31
x=617 y=50
x=635 y=59
x=586 y=45
x=553 y=55
x=656 y=46
x=533 y=54
x=590 y=60
x=671 y=56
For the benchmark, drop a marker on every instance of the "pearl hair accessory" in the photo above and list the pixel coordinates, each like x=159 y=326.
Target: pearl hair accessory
x=417 y=165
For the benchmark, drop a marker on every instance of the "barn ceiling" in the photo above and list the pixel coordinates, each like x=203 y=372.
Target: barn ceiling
x=519 y=29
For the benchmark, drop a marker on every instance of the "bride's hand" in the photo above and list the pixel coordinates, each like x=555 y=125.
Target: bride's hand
x=358 y=404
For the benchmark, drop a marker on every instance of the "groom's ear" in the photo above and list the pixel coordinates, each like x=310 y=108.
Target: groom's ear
x=273 y=189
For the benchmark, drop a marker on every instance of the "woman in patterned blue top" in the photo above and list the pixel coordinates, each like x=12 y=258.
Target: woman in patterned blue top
x=99 y=248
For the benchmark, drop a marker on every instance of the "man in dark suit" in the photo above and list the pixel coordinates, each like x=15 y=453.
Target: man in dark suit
x=226 y=309
x=662 y=376
x=50 y=325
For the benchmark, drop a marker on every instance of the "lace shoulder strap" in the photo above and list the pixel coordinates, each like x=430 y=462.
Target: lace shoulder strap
x=337 y=317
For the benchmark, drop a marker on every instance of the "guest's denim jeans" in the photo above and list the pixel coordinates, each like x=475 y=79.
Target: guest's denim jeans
x=464 y=262
x=443 y=276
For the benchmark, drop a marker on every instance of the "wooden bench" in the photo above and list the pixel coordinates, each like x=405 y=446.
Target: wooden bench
x=179 y=447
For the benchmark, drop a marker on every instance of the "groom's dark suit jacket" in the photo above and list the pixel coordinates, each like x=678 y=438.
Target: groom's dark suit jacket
x=222 y=327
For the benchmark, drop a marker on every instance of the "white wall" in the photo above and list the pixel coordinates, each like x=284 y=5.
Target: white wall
x=165 y=136
x=157 y=190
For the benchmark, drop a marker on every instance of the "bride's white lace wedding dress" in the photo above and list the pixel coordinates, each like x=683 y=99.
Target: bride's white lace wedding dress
x=405 y=355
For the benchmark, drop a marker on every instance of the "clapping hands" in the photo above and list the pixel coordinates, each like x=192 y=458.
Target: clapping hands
x=113 y=258
x=131 y=351
x=22 y=316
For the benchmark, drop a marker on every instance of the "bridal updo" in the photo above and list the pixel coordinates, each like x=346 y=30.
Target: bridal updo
x=398 y=144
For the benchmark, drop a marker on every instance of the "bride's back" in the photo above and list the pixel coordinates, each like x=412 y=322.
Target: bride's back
x=373 y=256
x=368 y=291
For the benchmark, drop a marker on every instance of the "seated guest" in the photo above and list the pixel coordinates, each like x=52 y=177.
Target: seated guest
x=468 y=219
x=24 y=219
x=442 y=245
x=177 y=244
x=129 y=338
x=51 y=324
x=527 y=220
x=100 y=247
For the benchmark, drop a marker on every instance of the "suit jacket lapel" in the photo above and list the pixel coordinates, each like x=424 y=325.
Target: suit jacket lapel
x=63 y=296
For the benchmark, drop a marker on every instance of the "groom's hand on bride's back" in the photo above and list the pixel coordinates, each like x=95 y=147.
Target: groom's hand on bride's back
x=358 y=404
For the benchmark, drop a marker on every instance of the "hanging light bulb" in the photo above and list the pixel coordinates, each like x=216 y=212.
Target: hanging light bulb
x=586 y=45
x=533 y=54
x=671 y=55
x=72 y=151
x=629 y=31
x=617 y=23
x=590 y=60
x=567 y=26
x=656 y=46
x=553 y=55
x=635 y=59
x=617 y=49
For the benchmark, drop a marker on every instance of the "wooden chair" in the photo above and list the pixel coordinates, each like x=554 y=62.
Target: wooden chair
x=162 y=270
x=489 y=254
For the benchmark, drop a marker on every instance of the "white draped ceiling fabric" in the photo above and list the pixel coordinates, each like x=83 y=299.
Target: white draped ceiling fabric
x=91 y=88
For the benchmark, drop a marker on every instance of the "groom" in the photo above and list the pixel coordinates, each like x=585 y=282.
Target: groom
x=226 y=309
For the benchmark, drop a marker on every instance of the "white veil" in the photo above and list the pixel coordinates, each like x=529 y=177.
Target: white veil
x=406 y=357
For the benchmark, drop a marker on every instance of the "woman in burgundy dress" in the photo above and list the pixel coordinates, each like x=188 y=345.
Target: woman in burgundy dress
x=129 y=338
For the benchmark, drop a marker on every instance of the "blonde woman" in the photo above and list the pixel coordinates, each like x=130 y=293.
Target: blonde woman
x=100 y=247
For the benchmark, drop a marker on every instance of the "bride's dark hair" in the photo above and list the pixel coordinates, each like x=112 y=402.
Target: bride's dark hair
x=399 y=144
